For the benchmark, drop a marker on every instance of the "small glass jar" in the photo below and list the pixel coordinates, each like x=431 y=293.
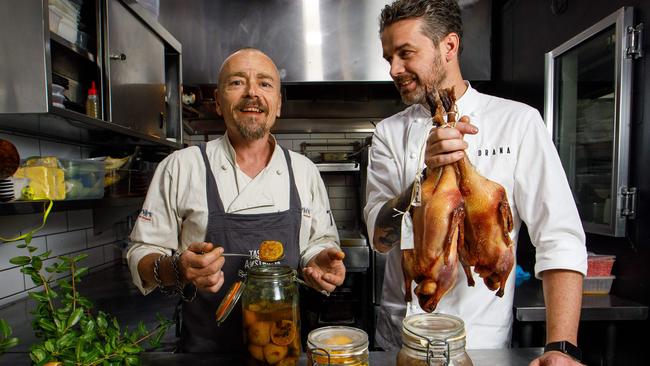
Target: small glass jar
x=271 y=315
x=433 y=340
x=337 y=345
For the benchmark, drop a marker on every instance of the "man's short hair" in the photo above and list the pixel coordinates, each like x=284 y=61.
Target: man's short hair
x=440 y=17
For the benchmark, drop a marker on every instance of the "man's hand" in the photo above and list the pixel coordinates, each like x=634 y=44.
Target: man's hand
x=554 y=358
x=201 y=266
x=326 y=270
x=446 y=145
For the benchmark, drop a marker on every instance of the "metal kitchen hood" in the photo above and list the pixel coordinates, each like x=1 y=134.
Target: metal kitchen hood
x=309 y=40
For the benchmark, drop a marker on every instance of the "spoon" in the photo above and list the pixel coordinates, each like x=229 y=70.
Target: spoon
x=264 y=260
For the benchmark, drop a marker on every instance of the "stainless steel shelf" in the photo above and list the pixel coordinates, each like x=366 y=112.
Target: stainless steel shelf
x=338 y=167
x=30 y=207
x=72 y=47
x=68 y=126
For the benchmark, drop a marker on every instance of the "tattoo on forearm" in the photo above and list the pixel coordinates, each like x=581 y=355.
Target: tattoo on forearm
x=388 y=227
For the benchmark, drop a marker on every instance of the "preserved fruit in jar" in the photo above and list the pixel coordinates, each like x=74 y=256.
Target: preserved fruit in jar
x=271 y=316
x=337 y=345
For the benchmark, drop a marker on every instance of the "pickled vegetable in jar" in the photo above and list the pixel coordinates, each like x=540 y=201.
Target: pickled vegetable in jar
x=433 y=340
x=337 y=345
x=271 y=315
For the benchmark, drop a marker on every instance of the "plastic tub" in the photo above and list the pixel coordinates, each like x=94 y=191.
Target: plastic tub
x=600 y=265
x=84 y=179
x=600 y=285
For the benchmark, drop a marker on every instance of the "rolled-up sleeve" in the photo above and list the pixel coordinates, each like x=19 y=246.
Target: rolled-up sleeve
x=545 y=202
x=156 y=228
x=382 y=182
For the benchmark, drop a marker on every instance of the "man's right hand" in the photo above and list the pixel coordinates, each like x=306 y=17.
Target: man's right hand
x=200 y=264
x=446 y=145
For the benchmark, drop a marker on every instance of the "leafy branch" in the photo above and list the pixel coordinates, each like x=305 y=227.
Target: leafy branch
x=64 y=321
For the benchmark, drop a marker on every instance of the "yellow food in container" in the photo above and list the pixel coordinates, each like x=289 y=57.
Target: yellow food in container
x=44 y=182
x=337 y=345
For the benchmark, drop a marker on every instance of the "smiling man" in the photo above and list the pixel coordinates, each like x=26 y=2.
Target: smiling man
x=229 y=195
x=508 y=143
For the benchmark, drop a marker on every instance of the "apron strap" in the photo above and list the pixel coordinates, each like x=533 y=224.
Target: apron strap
x=294 y=197
x=212 y=192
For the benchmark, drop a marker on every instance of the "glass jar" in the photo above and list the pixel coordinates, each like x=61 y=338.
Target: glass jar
x=271 y=315
x=337 y=345
x=433 y=339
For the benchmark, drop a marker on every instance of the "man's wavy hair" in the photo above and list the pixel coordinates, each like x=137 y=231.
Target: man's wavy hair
x=440 y=17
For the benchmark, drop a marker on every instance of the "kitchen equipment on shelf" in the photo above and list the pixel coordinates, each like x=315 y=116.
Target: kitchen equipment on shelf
x=330 y=152
x=433 y=340
x=337 y=345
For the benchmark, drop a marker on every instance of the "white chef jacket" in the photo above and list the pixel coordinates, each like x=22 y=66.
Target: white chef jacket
x=175 y=211
x=512 y=148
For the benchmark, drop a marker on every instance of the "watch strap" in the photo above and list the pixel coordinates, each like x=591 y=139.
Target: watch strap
x=565 y=347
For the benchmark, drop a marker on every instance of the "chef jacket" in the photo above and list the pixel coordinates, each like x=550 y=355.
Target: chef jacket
x=512 y=148
x=175 y=212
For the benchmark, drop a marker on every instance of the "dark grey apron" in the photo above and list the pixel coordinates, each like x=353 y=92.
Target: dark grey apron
x=236 y=234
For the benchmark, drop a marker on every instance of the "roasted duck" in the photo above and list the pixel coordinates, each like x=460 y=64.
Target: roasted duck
x=437 y=233
x=488 y=220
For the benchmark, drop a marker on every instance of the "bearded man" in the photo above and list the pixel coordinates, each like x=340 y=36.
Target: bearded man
x=507 y=142
x=229 y=195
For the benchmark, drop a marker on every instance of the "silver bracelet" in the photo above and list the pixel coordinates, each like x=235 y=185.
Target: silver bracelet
x=167 y=290
x=179 y=283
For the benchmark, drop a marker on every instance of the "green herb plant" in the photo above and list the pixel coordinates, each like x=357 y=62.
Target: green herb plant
x=69 y=330
x=6 y=340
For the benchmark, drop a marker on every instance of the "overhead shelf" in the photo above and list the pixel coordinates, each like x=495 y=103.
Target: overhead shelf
x=30 y=207
x=68 y=126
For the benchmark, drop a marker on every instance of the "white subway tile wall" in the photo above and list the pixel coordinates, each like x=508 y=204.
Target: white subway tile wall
x=65 y=233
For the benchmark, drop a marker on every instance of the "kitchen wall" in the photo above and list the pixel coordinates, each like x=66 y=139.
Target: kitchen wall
x=66 y=232
x=342 y=188
x=524 y=32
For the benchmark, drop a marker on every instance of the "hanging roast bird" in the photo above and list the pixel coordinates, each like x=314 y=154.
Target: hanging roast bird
x=488 y=220
x=437 y=232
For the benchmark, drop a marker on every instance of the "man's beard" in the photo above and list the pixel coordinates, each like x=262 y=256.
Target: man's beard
x=417 y=96
x=250 y=129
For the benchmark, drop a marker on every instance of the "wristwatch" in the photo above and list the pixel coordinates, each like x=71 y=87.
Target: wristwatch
x=565 y=347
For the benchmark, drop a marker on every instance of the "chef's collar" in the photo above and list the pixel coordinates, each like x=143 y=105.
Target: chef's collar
x=468 y=102
x=231 y=154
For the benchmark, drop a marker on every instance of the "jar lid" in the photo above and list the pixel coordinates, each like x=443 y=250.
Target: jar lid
x=229 y=301
x=419 y=330
x=270 y=271
x=338 y=341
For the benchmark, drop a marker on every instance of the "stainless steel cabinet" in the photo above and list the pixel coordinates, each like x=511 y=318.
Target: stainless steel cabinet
x=587 y=111
x=134 y=62
x=136 y=72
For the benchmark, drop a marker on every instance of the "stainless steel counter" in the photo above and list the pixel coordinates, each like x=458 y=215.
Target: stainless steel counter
x=529 y=309
x=488 y=357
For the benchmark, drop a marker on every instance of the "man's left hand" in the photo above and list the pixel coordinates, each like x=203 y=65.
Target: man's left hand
x=554 y=358
x=326 y=270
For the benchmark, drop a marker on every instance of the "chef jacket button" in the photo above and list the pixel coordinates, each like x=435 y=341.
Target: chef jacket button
x=412 y=156
x=278 y=172
x=224 y=167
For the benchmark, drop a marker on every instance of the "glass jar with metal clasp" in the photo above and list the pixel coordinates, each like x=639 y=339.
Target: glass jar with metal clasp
x=271 y=314
x=337 y=346
x=433 y=340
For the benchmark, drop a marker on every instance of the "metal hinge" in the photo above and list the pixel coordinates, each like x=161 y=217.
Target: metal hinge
x=628 y=196
x=634 y=47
